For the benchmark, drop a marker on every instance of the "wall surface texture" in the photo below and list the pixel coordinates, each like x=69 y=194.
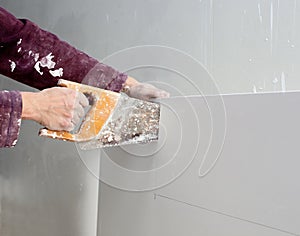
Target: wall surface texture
x=223 y=165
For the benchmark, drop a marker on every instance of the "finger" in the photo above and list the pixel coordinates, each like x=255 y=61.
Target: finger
x=146 y=92
x=158 y=93
x=80 y=111
x=75 y=120
x=70 y=127
x=82 y=99
x=163 y=94
x=67 y=126
x=154 y=92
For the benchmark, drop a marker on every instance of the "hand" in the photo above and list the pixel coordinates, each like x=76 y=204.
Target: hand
x=56 y=108
x=144 y=91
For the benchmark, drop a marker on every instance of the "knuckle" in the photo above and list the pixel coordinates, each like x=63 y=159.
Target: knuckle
x=68 y=115
x=72 y=93
x=69 y=103
x=65 y=124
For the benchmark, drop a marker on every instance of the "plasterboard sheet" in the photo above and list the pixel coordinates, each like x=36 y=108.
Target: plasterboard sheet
x=243 y=180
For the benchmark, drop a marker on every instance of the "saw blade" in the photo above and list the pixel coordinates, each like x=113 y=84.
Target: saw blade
x=132 y=121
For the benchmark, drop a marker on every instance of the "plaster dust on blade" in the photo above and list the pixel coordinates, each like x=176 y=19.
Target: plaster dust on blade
x=114 y=119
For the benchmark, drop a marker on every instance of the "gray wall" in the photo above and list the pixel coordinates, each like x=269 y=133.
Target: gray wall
x=193 y=48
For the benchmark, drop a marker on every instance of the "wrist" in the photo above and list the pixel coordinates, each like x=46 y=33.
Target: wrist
x=130 y=82
x=29 y=105
x=125 y=89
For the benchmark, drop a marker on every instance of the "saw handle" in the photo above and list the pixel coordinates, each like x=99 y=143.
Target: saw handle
x=102 y=104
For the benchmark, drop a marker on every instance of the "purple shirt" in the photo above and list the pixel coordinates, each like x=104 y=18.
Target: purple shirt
x=39 y=58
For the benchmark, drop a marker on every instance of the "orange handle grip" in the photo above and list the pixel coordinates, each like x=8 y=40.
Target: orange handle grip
x=102 y=107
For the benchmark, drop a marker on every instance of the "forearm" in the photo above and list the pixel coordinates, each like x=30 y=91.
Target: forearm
x=10 y=117
x=39 y=58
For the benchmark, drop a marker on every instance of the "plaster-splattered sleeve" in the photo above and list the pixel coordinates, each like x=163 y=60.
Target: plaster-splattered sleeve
x=39 y=58
x=10 y=117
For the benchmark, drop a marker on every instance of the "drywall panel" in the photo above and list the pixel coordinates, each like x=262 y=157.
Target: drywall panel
x=125 y=213
x=251 y=188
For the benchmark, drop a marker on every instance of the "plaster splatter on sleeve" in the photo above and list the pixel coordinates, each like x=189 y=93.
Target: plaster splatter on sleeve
x=57 y=73
x=19 y=42
x=42 y=58
x=12 y=65
x=10 y=117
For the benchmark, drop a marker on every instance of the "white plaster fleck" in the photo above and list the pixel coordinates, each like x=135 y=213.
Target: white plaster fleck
x=36 y=56
x=14 y=142
x=19 y=50
x=44 y=132
x=44 y=62
x=47 y=61
x=57 y=73
x=19 y=42
x=37 y=67
x=12 y=65
x=110 y=138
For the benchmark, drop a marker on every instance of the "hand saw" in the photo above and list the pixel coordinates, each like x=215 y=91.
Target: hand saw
x=113 y=119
